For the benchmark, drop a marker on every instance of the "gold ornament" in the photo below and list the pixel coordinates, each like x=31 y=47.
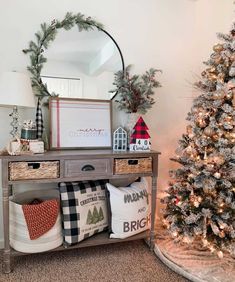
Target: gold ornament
x=206 y=189
x=212 y=77
x=222 y=234
x=211 y=69
x=189 y=149
x=199 y=199
x=227 y=63
x=193 y=198
x=218 y=47
x=217 y=175
x=220 y=202
x=205 y=242
x=208 y=131
x=220 y=210
x=232 y=57
x=231 y=85
x=210 y=149
x=219 y=160
x=216 y=159
x=218 y=95
x=210 y=167
x=220 y=77
x=189 y=130
x=230 y=135
x=220 y=254
x=229 y=95
x=210 y=74
x=232 y=70
x=201 y=123
x=196 y=110
x=218 y=59
x=215 y=137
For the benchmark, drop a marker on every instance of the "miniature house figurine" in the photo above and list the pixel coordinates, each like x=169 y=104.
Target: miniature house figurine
x=140 y=138
x=119 y=139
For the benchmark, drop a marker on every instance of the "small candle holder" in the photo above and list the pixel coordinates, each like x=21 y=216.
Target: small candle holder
x=29 y=130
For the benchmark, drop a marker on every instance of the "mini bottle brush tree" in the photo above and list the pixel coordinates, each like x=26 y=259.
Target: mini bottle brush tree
x=200 y=201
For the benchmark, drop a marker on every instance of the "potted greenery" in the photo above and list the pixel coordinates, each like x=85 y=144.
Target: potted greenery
x=135 y=91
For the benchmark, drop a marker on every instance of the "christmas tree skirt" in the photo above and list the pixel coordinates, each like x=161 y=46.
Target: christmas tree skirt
x=195 y=264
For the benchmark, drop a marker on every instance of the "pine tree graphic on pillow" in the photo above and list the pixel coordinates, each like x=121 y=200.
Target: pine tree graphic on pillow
x=95 y=216
x=89 y=218
x=101 y=214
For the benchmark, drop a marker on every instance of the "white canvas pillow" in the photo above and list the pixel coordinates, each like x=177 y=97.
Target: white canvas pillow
x=129 y=209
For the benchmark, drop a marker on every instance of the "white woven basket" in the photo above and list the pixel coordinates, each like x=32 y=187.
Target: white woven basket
x=19 y=235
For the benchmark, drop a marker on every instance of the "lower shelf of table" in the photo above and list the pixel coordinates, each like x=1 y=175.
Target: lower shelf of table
x=98 y=239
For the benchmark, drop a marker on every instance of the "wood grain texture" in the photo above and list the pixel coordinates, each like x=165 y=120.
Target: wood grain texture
x=77 y=154
x=77 y=168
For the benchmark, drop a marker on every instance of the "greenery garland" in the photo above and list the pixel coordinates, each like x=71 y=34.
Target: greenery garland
x=44 y=37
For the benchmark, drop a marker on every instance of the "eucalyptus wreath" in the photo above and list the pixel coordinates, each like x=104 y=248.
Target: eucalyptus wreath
x=44 y=37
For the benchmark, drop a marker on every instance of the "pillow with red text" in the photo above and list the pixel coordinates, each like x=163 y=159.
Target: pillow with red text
x=129 y=209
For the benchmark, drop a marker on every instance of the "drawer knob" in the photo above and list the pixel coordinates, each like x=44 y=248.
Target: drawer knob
x=33 y=165
x=88 y=168
x=132 y=162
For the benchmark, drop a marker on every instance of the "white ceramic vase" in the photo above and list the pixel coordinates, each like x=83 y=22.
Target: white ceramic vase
x=132 y=118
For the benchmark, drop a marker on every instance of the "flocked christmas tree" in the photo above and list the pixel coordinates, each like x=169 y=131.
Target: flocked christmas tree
x=200 y=205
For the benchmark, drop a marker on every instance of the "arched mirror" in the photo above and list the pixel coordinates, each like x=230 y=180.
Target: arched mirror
x=82 y=64
x=74 y=58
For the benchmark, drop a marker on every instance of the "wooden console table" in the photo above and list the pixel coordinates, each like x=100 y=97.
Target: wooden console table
x=71 y=164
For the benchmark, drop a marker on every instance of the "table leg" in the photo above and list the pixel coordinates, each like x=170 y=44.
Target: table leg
x=6 y=251
x=153 y=211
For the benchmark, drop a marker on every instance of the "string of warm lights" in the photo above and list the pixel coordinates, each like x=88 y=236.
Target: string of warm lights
x=200 y=205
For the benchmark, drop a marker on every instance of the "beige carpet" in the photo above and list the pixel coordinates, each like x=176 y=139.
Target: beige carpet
x=131 y=261
x=196 y=264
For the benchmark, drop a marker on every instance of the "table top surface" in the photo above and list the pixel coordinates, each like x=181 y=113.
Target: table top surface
x=80 y=153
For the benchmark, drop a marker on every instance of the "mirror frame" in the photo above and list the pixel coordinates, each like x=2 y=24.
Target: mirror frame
x=46 y=36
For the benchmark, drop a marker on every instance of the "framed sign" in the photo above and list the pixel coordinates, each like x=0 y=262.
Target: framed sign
x=80 y=123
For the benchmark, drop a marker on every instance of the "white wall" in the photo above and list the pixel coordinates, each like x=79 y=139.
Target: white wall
x=173 y=35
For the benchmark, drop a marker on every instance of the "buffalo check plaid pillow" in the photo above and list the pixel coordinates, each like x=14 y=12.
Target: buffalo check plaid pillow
x=84 y=209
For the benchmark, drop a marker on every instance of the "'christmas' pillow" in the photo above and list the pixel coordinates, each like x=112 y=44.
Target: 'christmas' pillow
x=84 y=209
x=129 y=209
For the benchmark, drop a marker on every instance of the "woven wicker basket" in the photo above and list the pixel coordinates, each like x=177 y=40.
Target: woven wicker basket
x=139 y=165
x=33 y=170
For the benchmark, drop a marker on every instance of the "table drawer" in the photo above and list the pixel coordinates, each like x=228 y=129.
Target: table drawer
x=96 y=167
x=138 y=165
x=34 y=170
